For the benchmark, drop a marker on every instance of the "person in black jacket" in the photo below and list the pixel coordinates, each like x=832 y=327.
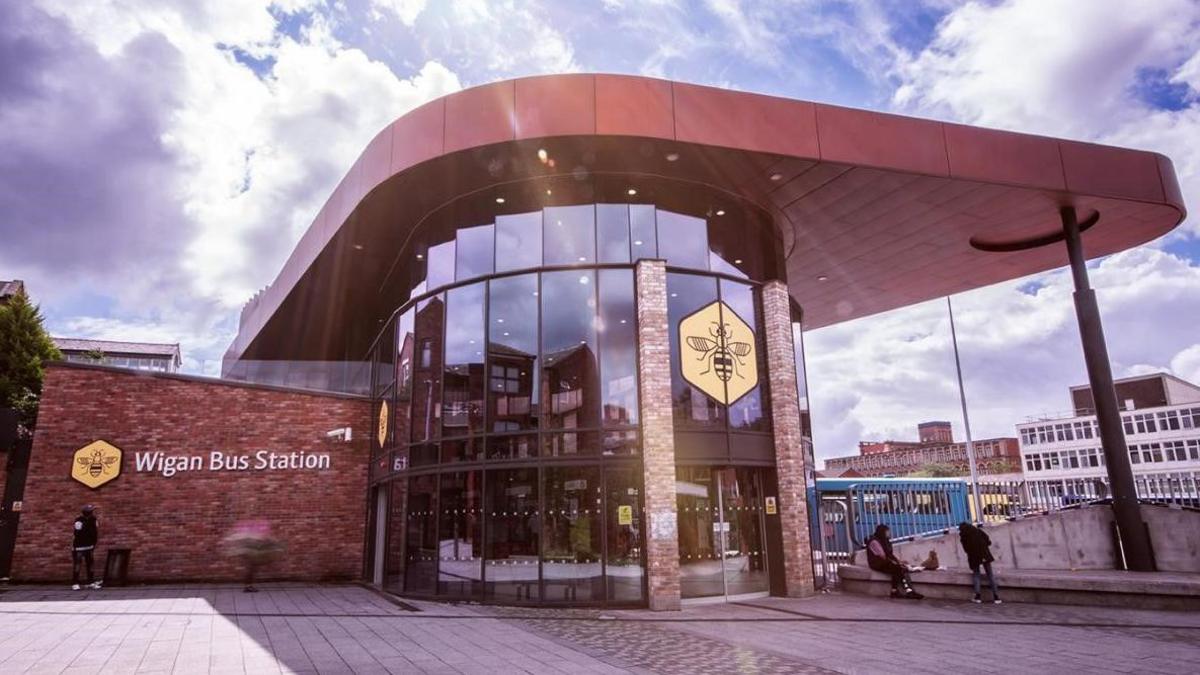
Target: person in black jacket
x=881 y=558
x=977 y=545
x=83 y=546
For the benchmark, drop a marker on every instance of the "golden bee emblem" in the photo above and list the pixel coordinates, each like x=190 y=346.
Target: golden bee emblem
x=717 y=353
x=382 y=432
x=96 y=463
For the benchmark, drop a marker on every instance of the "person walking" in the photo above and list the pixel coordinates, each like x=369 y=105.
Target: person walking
x=977 y=545
x=83 y=547
x=881 y=558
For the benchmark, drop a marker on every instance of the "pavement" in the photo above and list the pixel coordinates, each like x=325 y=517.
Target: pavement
x=289 y=628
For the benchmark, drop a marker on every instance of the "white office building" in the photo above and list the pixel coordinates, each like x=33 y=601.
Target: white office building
x=1062 y=458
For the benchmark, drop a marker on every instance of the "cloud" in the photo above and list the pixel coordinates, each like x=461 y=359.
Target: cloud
x=405 y=10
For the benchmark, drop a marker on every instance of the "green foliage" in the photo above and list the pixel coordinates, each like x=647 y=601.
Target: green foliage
x=936 y=471
x=24 y=348
x=96 y=355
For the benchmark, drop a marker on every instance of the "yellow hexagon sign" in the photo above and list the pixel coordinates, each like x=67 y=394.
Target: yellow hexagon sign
x=383 y=423
x=717 y=353
x=96 y=463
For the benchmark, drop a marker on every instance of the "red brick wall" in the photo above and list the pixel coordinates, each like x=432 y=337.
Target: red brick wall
x=174 y=525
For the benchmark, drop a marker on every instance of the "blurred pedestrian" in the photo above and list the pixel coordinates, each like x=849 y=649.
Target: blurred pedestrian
x=977 y=545
x=83 y=547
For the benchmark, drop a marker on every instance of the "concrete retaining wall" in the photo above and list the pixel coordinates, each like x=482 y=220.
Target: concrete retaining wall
x=1078 y=539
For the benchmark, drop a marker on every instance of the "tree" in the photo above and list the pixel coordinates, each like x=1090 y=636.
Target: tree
x=936 y=471
x=24 y=348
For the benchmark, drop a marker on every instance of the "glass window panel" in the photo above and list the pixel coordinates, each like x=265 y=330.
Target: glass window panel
x=641 y=231
x=568 y=445
x=618 y=348
x=463 y=381
x=687 y=293
x=624 y=569
x=520 y=446
x=572 y=534
x=397 y=527
x=405 y=353
x=512 y=544
x=518 y=241
x=570 y=234
x=512 y=353
x=441 y=265
x=462 y=450
x=475 y=251
x=612 y=232
x=427 y=377
x=424 y=454
x=460 y=533
x=569 y=378
x=745 y=556
x=700 y=567
x=746 y=414
x=421 y=536
x=621 y=443
x=683 y=240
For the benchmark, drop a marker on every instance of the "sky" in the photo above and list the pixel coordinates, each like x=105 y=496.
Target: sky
x=159 y=159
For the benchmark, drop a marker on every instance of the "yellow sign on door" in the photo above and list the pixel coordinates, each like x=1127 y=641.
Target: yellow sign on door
x=717 y=353
x=96 y=463
x=383 y=423
x=625 y=515
x=771 y=508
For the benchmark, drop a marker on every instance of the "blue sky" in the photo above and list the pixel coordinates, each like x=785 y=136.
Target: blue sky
x=159 y=159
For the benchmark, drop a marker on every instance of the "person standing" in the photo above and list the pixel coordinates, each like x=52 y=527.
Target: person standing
x=977 y=545
x=83 y=547
x=881 y=558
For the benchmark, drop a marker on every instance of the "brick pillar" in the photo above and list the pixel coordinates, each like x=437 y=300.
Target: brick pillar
x=658 y=434
x=789 y=447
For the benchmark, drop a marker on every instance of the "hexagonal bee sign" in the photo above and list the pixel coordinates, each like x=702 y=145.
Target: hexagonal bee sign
x=717 y=353
x=96 y=463
x=383 y=424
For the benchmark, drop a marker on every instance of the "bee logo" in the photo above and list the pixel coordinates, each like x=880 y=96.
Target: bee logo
x=96 y=464
x=719 y=359
x=383 y=424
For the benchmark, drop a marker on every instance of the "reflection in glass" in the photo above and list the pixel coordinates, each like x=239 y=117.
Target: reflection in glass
x=421 y=536
x=475 y=249
x=511 y=548
x=462 y=413
x=460 y=549
x=618 y=348
x=682 y=240
x=612 y=232
x=699 y=526
x=441 y=265
x=573 y=535
x=566 y=445
x=397 y=527
x=427 y=375
x=385 y=360
x=569 y=380
x=641 y=232
x=687 y=293
x=625 y=525
x=462 y=450
x=570 y=233
x=518 y=241
x=405 y=345
x=746 y=414
x=745 y=560
x=512 y=353
x=519 y=446
x=620 y=443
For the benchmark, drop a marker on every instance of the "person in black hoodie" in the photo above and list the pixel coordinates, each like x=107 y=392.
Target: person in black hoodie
x=83 y=547
x=977 y=545
x=881 y=558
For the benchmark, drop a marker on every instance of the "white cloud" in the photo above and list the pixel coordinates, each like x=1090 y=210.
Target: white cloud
x=405 y=10
x=495 y=39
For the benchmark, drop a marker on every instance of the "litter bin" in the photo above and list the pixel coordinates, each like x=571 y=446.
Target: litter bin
x=116 y=566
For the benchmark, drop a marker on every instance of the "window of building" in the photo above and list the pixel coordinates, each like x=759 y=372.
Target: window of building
x=569 y=235
x=518 y=241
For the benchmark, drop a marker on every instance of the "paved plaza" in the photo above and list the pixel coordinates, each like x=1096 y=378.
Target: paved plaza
x=342 y=629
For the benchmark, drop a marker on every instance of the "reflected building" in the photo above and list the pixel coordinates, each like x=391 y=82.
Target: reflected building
x=577 y=304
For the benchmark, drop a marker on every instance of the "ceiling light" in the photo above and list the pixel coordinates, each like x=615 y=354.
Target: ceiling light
x=499 y=200
x=776 y=176
x=637 y=242
x=358 y=247
x=674 y=295
x=505 y=333
x=420 y=256
x=672 y=156
x=582 y=258
x=720 y=212
x=542 y=154
x=822 y=278
x=622 y=320
x=583 y=279
x=631 y=192
x=499 y=320
x=737 y=261
x=548 y=192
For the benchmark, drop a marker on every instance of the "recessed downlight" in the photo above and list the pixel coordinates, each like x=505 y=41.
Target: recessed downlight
x=499 y=200
x=672 y=156
x=720 y=212
x=776 y=176
x=737 y=261
x=631 y=192
x=822 y=278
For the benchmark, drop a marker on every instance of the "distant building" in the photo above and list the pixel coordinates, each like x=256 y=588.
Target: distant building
x=156 y=356
x=1062 y=455
x=937 y=446
x=9 y=289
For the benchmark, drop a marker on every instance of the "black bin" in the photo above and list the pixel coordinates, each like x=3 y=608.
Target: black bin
x=116 y=566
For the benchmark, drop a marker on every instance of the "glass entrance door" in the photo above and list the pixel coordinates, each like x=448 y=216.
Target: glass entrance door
x=721 y=543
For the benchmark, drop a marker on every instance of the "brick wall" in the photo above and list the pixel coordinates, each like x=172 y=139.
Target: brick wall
x=174 y=525
x=658 y=434
x=789 y=446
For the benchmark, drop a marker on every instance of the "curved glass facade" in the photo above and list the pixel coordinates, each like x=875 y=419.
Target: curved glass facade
x=507 y=464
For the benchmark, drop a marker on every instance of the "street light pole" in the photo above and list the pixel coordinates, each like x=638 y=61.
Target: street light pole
x=962 y=396
x=1134 y=541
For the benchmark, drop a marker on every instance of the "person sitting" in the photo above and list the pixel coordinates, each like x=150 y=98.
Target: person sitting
x=881 y=559
x=977 y=545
